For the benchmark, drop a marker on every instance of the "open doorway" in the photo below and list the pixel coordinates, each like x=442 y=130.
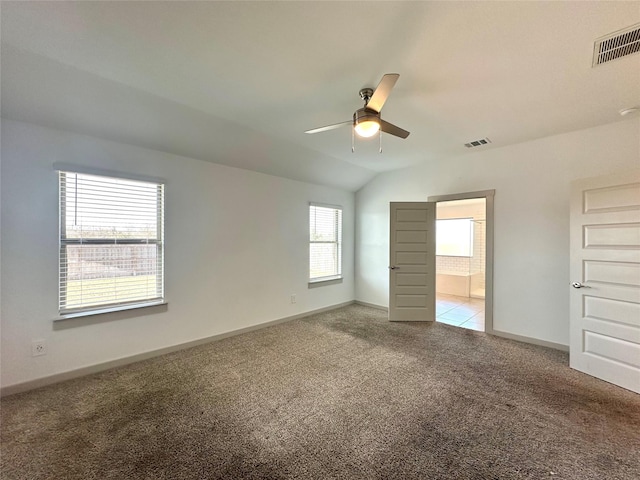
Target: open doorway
x=460 y=262
x=464 y=260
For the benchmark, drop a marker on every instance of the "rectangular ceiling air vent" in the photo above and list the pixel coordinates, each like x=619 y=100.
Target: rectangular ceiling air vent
x=616 y=45
x=477 y=143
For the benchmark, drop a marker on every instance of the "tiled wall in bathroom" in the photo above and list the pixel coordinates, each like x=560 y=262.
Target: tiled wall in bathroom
x=452 y=264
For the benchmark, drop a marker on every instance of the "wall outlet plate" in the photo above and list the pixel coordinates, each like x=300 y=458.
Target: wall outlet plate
x=38 y=347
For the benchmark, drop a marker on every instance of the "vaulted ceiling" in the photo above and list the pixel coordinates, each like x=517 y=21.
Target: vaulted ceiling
x=238 y=83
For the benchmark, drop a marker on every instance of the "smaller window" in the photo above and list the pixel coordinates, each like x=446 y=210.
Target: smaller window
x=454 y=237
x=325 y=242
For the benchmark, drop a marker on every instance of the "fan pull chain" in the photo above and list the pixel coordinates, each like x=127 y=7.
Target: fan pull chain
x=380 y=140
x=353 y=140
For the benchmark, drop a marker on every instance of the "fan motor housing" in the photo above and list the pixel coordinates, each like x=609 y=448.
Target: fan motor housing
x=364 y=114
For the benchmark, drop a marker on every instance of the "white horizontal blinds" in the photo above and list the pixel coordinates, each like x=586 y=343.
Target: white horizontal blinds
x=111 y=242
x=325 y=248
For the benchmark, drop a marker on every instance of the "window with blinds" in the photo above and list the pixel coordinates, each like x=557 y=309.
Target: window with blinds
x=111 y=243
x=325 y=247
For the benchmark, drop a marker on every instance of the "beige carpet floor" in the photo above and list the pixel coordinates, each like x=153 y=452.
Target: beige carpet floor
x=339 y=395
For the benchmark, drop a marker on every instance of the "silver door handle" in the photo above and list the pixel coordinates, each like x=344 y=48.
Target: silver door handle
x=579 y=285
x=393 y=267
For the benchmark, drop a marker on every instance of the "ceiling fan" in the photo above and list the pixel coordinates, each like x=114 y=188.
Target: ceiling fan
x=366 y=120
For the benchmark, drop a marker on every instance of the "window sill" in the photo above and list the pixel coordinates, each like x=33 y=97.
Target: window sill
x=321 y=282
x=101 y=311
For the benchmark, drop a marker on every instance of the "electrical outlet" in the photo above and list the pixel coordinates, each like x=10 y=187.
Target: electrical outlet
x=293 y=298
x=38 y=347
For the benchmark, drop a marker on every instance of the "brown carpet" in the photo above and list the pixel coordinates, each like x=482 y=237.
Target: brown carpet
x=343 y=394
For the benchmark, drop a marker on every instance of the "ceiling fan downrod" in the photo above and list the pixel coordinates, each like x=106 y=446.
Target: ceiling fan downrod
x=366 y=94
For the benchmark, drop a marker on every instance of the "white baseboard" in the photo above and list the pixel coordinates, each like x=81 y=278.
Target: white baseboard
x=372 y=305
x=101 y=367
x=533 y=341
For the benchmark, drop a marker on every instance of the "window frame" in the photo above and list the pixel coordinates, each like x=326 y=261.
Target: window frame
x=63 y=242
x=327 y=279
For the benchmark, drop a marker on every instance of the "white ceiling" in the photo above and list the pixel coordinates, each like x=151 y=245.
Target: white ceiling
x=238 y=83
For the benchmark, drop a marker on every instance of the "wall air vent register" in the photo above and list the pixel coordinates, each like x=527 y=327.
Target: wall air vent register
x=616 y=45
x=477 y=143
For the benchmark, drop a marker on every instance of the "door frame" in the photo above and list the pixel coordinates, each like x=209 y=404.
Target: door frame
x=488 y=271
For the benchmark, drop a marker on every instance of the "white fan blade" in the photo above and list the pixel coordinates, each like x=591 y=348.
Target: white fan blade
x=392 y=129
x=382 y=91
x=329 y=127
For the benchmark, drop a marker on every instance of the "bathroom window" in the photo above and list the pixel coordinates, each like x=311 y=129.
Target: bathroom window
x=454 y=237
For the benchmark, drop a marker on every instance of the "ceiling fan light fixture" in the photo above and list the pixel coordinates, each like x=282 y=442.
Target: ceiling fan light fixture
x=366 y=123
x=367 y=129
x=366 y=120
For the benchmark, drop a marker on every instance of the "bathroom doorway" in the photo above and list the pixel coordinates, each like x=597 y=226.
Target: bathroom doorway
x=464 y=260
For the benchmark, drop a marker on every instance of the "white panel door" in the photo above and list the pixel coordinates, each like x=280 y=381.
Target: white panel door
x=412 y=258
x=605 y=275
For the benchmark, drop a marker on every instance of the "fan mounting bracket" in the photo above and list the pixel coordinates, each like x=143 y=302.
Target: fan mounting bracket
x=366 y=94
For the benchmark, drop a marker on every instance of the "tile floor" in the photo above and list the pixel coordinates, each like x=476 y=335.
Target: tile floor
x=460 y=311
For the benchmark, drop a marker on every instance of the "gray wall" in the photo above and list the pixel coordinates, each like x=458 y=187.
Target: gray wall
x=236 y=249
x=532 y=184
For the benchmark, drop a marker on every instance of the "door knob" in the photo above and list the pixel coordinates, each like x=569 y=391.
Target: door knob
x=393 y=267
x=579 y=285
